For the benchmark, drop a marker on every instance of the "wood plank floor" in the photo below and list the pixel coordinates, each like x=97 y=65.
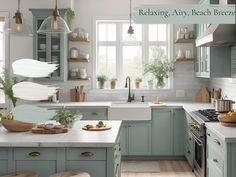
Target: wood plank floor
x=168 y=169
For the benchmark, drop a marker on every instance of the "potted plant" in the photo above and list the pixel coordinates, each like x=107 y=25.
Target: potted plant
x=113 y=83
x=138 y=80
x=101 y=80
x=7 y=82
x=70 y=14
x=66 y=117
x=159 y=67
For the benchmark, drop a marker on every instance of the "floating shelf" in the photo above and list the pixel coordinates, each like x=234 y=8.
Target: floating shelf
x=79 y=78
x=77 y=39
x=185 y=41
x=184 y=59
x=84 y=60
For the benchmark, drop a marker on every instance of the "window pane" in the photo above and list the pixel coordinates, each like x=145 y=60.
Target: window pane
x=107 y=61
x=137 y=32
x=157 y=32
x=158 y=52
x=161 y=32
x=2 y=96
x=107 y=32
x=132 y=62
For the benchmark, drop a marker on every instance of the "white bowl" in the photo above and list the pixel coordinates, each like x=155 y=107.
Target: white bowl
x=74 y=35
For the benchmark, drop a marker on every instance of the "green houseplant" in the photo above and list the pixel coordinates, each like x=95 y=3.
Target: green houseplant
x=159 y=67
x=7 y=81
x=113 y=83
x=70 y=14
x=138 y=80
x=66 y=117
x=101 y=80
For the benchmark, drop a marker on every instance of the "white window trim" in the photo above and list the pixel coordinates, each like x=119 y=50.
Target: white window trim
x=125 y=19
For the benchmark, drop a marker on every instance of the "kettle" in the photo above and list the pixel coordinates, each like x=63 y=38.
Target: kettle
x=74 y=52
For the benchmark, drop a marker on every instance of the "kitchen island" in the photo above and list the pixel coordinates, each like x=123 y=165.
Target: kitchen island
x=96 y=152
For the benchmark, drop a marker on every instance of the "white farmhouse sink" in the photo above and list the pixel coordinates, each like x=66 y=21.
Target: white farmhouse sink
x=129 y=111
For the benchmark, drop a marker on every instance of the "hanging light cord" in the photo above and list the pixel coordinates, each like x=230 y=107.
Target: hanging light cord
x=130 y=13
x=56 y=12
x=18 y=5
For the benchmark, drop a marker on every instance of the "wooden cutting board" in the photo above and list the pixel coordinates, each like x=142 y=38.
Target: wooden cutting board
x=203 y=95
x=49 y=131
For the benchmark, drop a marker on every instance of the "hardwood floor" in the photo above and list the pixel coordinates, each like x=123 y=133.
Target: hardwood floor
x=168 y=169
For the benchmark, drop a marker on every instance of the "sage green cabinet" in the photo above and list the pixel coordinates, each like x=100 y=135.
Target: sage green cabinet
x=168 y=131
x=49 y=54
x=212 y=62
x=136 y=138
x=3 y=160
x=162 y=132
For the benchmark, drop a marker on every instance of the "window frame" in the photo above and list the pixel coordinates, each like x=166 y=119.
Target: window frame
x=145 y=43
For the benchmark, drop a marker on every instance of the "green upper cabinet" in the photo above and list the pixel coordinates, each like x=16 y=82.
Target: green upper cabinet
x=52 y=48
x=212 y=62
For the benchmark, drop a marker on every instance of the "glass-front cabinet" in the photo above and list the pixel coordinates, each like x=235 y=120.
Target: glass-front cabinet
x=51 y=48
x=212 y=61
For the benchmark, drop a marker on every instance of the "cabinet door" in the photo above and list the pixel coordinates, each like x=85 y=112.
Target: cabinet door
x=3 y=167
x=94 y=168
x=162 y=132
x=42 y=168
x=179 y=137
x=139 y=135
x=124 y=139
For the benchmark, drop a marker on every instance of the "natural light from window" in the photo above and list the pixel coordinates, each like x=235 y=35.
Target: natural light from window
x=118 y=57
x=2 y=96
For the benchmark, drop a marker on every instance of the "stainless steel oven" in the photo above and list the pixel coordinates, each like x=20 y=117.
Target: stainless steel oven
x=199 y=160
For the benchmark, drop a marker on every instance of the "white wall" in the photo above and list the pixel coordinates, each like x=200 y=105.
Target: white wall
x=86 y=11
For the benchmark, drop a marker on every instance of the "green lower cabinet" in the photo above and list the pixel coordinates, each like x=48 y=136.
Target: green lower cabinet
x=136 y=138
x=3 y=165
x=139 y=138
x=3 y=161
x=162 y=132
x=179 y=132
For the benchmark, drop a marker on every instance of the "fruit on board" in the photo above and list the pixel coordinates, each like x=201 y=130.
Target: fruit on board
x=88 y=126
x=100 y=124
x=9 y=116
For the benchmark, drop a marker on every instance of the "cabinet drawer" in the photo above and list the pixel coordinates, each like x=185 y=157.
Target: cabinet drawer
x=189 y=154
x=216 y=141
x=94 y=113
x=212 y=170
x=215 y=157
x=85 y=154
x=94 y=168
x=35 y=153
x=189 y=140
x=3 y=153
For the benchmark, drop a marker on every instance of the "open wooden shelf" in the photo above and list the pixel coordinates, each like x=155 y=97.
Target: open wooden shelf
x=183 y=59
x=79 y=78
x=185 y=41
x=84 y=60
x=78 y=39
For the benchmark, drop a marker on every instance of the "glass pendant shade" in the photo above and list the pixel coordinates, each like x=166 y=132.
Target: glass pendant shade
x=54 y=25
x=18 y=26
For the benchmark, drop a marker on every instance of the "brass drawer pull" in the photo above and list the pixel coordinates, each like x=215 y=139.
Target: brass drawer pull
x=190 y=139
x=87 y=154
x=189 y=152
x=94 y=113
x=215 y=160
x=217 y=142
x=208 y=134
x=34 y=154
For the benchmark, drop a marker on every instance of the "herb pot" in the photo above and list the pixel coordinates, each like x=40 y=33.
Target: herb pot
x=224 y=105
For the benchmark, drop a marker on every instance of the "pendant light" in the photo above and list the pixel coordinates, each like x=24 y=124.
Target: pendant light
x=131 y=29
x=17 y=25
x=54 y=24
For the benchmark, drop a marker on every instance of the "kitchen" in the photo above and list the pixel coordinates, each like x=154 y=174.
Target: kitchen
x=141 y=138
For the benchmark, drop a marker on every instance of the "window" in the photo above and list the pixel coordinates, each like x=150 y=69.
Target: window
x=118 y=56
x=2 y=63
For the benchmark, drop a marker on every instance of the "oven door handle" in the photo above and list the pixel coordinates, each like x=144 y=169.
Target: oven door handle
x=197 y=140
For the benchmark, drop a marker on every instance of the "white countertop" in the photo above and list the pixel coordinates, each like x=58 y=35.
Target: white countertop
x=228 y=134
x=76 y=137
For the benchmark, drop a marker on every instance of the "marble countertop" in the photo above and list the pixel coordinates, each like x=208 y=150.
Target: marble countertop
x=228 y=134
x=76 y=137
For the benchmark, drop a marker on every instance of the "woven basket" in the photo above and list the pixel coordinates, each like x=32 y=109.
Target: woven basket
x=17 y=126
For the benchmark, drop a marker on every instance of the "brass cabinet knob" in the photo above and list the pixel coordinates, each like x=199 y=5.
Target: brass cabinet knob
x=87 y=154
x=215 y=160
x=208 y=134
x=94 y=113
x=34 y=154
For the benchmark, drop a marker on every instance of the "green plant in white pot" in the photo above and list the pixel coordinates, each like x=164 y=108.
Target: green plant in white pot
x=101 y=80
x=66 y=117
x=159 y=67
